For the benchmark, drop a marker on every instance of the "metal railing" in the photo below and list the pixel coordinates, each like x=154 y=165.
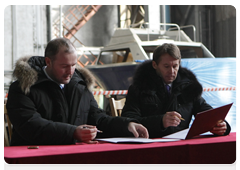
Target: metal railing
x=160 y=24
x=188 y=26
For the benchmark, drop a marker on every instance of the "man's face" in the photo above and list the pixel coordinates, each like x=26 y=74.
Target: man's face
x=62 y=68
x=167 y=68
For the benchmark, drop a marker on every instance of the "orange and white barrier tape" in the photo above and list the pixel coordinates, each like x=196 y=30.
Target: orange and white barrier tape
x=121 y=92
x=219 y=89
x=111 y=92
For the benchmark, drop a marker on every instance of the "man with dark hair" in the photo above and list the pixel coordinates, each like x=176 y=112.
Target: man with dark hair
x=163 y=93
x=52 y=102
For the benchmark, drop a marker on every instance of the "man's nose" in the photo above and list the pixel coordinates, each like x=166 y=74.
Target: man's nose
x=171 y=70
x=70 y=70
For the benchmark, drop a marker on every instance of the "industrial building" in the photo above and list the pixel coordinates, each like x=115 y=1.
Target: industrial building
x=113 y=40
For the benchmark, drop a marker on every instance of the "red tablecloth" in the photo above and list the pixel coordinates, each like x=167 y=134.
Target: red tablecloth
x=204 y=150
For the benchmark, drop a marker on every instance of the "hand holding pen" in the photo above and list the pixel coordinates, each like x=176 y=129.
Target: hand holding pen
x=172 y=119
x=86 y=127
x=86 y=133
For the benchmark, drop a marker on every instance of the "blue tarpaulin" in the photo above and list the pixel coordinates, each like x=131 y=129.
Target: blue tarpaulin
x=216 y=72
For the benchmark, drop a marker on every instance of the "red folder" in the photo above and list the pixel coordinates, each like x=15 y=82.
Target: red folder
x=205 y=121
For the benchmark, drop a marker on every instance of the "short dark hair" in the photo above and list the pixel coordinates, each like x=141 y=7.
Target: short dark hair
x=171 y=49
x=54 y=46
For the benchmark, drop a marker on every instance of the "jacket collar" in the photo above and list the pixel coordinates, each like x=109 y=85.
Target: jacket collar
x=28 y=71
x=146 y=79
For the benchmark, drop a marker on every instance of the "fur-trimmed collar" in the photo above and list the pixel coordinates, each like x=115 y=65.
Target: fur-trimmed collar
x=27 y=69
x=146 y=79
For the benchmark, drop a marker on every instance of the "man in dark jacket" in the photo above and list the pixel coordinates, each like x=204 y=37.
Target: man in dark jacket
x=163 y=93
x=51 y=102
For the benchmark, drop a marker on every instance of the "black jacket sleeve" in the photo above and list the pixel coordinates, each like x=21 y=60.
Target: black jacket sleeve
x=28 y=124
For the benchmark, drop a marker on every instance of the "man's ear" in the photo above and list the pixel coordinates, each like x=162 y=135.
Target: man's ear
x=154 y=64
x=47 y=61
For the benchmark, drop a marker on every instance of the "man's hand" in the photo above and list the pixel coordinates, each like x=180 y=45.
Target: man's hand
x=85 y=133
x=171 y=119
x=220 y=128
x=138 y=130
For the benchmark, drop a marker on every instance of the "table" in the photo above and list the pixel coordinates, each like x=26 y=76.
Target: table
x=202 y=150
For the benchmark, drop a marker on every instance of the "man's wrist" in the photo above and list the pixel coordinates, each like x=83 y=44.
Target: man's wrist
x=75 y=134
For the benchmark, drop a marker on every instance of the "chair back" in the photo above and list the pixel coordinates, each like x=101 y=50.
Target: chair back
x=116 y=106
x=7 y=128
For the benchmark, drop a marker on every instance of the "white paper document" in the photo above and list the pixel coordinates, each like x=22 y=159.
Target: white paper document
x=134 y=140
x=178 y=135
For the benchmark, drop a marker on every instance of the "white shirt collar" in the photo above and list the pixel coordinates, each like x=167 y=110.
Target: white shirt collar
x=168 y=84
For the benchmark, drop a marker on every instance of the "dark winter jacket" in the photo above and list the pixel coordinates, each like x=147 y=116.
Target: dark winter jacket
x=147 y=99
x=42 y=113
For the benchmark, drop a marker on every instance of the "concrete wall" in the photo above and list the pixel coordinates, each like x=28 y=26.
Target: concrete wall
x=24 y=34
x=24 y=26
x=8 y=38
